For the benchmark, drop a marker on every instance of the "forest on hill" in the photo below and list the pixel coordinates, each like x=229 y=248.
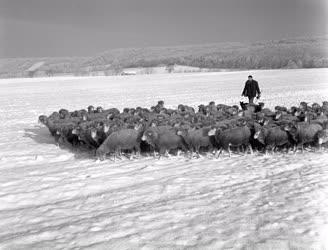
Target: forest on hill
x=277 y=54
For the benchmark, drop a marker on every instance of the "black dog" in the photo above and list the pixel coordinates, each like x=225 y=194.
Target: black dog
x=257 y=107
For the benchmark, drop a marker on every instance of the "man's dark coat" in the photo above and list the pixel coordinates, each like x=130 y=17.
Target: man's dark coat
x=251 y=89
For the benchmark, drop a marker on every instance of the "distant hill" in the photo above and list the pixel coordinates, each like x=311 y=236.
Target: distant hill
x=277 y=54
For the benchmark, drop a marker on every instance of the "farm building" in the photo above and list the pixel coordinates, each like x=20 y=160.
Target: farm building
x=128 y=73
x=31 y=71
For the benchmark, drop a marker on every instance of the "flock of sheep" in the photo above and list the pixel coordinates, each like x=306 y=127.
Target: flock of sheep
x=210 y=129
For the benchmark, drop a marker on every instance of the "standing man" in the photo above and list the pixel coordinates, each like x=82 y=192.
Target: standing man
x=251 y=89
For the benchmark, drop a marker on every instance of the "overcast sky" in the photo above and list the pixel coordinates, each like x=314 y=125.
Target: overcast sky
x=86 y=27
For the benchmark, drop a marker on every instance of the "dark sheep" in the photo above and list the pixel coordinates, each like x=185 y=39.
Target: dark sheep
x=91 y=109
x=99 y=110
x=272 y=137
x=55 y=125
x=67 y=137
x=43 y=119
x=100 y=133
x=64 y=113
x=303 y=133
x=303 y=106
x=54 y=116
x=322 y=137
x=124 y=139
x=322 y=120
x=281 y=109
x=235 y=137
x=84 y=136
x=163 y=138
x=283 y=116
x=202 y=109
x=196 y=139
x=90 y=128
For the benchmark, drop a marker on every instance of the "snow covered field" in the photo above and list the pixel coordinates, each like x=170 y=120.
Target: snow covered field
x=52 y=198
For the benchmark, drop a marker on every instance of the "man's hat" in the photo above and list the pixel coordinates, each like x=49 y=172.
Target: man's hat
x=250 y=76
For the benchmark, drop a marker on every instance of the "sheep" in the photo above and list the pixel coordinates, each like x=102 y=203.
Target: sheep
x=124 y=139
x=43 y=119
x=163 y=139
x=91 y=109
x=84 y=136
x=284 y=116
x=303 y=133
x=322 y=120
x=55 y=125
x=99 y=109
x=196 y=138
x=67 y=137
x=322 y=137
x=100 y=133
x=64 y=114
x=217 y=126
x=272 y=137
x=235 y=137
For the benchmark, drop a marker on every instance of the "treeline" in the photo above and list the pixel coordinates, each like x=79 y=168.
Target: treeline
x=287 y=53
x=292 y=53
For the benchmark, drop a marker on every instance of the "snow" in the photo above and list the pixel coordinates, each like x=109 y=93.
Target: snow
x=52 y=198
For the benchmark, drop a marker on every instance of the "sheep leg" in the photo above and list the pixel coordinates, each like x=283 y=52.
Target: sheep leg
x=210 y=151
x=269 y=149
x=61 y=140
x=191 y=153
x=273 y=150
x=162 y=152
x=250 y=149
x=220 y=152
x=215 y=152
x=101 y=157
x=119 y=151
x=196 y=154
x=287 y=149
x=116 y=154
x=229 y=151
x=137 y=151
x=183 y=147
x=197 y=151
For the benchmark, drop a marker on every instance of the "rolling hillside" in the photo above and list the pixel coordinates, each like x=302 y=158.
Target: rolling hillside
x=278 y=54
